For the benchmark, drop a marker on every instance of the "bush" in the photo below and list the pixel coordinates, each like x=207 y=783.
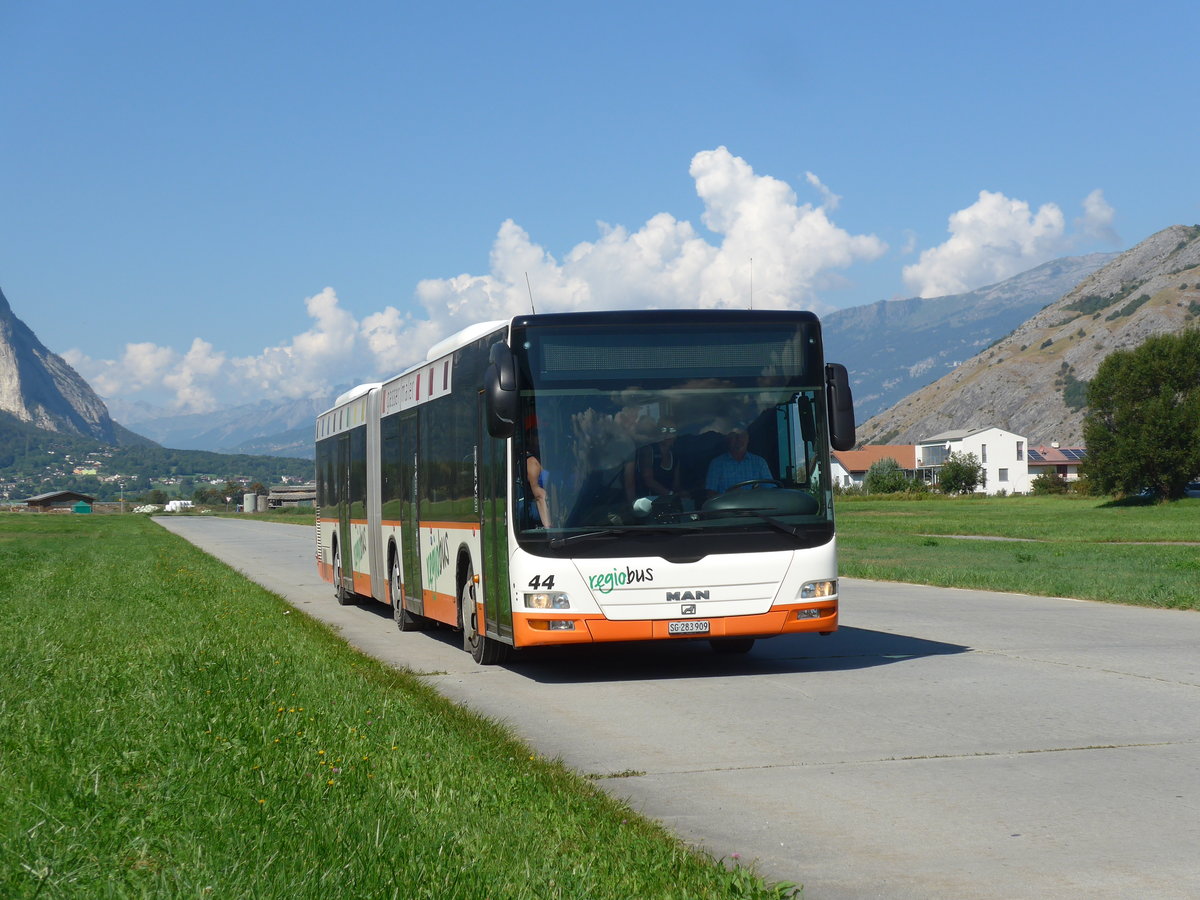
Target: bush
x=1049 y=483
x=885 y=477
x=961 y=473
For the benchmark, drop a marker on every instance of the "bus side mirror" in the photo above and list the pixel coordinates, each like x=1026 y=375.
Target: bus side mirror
x=500 y=391
x=841 y=407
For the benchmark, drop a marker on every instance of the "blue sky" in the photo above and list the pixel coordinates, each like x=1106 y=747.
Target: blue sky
x=226 y=201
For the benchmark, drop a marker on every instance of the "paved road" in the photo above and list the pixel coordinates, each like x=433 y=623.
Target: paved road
x=943 y=744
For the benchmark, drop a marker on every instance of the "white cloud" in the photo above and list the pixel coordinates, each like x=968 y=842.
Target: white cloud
x=795 y=248
x=997 y=237
x=992 y=239
x=1096 y=221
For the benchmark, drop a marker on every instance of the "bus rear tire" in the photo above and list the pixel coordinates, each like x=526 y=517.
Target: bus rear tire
x=483 y=649
x=405 y=620
x=343 y=596
x=731 y=645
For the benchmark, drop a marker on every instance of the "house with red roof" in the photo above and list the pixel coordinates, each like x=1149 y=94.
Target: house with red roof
x=1064 y=461
x=849 y=467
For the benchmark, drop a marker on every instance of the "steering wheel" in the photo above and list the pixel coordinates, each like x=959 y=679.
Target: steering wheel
x=756 y=482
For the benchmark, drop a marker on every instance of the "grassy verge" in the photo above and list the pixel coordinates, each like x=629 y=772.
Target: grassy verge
x=169 y=729
x=1066 y=547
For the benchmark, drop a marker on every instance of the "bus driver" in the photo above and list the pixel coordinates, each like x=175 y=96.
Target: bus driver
x=736 y=465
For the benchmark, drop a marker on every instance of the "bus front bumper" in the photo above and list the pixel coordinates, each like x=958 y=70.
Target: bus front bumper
x=542 y=629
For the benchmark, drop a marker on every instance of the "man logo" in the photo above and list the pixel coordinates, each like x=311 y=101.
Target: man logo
x=688 y=609
x=678 y=597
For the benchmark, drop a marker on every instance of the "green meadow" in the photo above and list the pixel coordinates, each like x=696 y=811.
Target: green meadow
x=1082 y=547
x=168 y=729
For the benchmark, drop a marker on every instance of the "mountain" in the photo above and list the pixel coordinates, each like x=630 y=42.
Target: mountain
x=38 y=387
x=274 y=427
x=297 y=442
x=895 y=347
x=1033 y=381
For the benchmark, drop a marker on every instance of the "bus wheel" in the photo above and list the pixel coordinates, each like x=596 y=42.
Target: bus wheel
x=483 y=649
x=731 y=645
x=405 y=620
x=344 y=597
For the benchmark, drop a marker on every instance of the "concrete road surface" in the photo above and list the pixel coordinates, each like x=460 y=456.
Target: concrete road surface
x=943 y=744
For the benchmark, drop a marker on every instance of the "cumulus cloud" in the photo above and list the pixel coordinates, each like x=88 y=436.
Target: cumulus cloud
x=998 y=237
x=767 y=242
x=1096 y=221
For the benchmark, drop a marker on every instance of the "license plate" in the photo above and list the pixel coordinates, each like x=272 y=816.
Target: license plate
x=691 y=626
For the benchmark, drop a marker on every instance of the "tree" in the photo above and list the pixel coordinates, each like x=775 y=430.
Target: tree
x=961 y=473
x=1143 y=424
x=885 y=477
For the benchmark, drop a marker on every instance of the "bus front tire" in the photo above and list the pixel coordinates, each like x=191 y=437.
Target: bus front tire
x=343 y=596
x=483 y=649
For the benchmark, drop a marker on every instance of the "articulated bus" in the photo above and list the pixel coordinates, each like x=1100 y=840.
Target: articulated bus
x=585 y=477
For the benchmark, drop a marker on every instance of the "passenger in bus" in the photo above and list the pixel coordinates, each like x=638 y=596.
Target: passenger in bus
x=736 y=465
x=537 y=479
x=656 y=468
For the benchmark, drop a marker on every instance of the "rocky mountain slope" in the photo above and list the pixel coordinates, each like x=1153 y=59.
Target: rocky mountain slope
x=38 y=387
x=895 y=347
x=1033 y=381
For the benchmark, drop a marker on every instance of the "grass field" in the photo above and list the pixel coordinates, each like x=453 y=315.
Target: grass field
x=168 y=729
x=1087 y=548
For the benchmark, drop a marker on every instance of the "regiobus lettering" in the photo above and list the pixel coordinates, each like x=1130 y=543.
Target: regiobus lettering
x=572 y=478
x=605 y=582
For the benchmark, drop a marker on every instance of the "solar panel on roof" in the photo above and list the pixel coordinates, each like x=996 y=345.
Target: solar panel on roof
x=1035 y=456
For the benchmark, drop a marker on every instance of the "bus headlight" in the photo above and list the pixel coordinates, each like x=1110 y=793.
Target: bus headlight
x=816 y=589
x=547 y=600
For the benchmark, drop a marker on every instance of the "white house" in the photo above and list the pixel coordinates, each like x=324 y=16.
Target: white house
x=1003 y=455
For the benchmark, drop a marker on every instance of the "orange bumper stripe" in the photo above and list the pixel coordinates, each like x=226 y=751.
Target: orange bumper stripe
x=596 y=629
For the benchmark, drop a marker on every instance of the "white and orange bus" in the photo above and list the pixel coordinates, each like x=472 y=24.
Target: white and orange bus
x=584 y=477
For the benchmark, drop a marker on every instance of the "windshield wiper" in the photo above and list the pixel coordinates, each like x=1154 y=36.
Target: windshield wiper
x=759 y=514
x=558 y=542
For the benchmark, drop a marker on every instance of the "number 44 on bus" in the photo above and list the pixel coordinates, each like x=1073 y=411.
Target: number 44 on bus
x=586 y=477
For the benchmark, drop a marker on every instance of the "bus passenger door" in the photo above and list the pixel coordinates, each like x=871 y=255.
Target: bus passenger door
x=344 y=538
x=410 y=535
x=492 y=486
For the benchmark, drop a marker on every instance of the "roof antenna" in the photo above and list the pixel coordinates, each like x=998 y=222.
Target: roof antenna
x=752 y=282
x=530 y=289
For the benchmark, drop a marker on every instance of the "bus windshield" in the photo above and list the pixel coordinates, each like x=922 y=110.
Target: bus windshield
x=685 y=429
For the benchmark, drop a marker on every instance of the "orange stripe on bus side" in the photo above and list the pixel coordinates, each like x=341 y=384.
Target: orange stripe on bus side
x=440 y=606
x=453 y=526
x=362 y=584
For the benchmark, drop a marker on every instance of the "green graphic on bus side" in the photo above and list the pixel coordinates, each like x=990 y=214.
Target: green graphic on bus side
x=438 y=556
x=359 y=548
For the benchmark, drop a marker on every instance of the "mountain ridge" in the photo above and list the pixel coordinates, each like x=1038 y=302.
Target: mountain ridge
x=40 y=388
x=1033 y=380
x=895 y=347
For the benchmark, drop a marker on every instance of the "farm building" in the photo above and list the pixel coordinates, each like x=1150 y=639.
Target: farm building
x=61 y=501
